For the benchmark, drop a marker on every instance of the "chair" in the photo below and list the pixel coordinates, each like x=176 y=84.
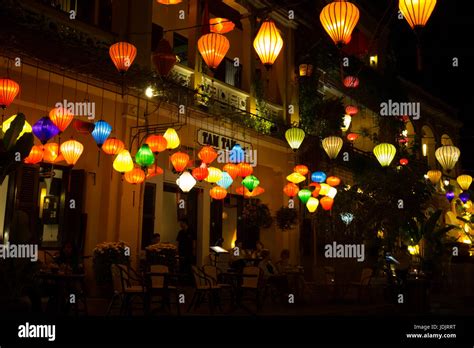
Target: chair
x=213 y=273
x=159 y=285
x=202 y=289
x=252 y=283
x=122 y=277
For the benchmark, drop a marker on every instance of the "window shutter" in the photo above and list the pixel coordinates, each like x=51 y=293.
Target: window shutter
x=27 y=179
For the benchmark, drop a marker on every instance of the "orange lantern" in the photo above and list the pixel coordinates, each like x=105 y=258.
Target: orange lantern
x=301 y=169
x=157 y=143
x=352 y=110
x=61 y=117
x=268 y=43
x=71 y=151
x=351 y=82
x=326 y=203
x=403 y=161
x=51 y=153
x=245 y=169
x=213 y=48
x=416 y=12
x=36 y=155
x=153 y=170
x=207 y=154
x=218 y=192
x=169 y=2
x=9 y=89
x=113 y=146
x=339 y=19
x=221 y=25
x=255 y=192
x=317 y=188
x=352 y=136
x=232 y=169
x=135 y=176
x=291 y=190
x=200 y=173
x=122 y=54
x=333 y=181
x=180 y=161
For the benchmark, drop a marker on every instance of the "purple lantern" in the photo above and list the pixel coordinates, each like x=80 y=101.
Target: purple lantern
x=450 y=195
x=44 y=129
x=464 y=197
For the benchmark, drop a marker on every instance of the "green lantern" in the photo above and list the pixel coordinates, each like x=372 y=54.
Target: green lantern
x=251 y=182
x=304 y=195
x=144 y=156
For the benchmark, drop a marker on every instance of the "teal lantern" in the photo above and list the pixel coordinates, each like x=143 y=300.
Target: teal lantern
x=144 y=156
x=225 y=181
x=251 y=182
x=237 y=154
x=304 y=195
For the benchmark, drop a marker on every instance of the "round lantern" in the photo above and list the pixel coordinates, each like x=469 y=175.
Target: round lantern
x=332 y=146
x=215 y=174
x=153 y=170
x=304 y=195
x=186 y=182
x=163 y=57
x=218 y=193
x=233 y=170
x=61 y=117
x=200 y=173
x=71 y=151
x=301 y=169
x=318 y=177
x=295 y=178
x=450 y=195
x=351 y=82
x=9 y=89
x=26 y=126
x=316 y=190
x=242 y=190
x=305 y=70
x=51 y=153
x=268 y=43
x=295 y=137
x=339 y=19
x=312 y=204
x=144 y=156
x=221 y=25
x=237 y=154
x=352 y=110
x=207 y=154
x=326 y=203
x=169 y=2
x=403 y=161
x=416 y=12
x=172 y=139
x=385 y=153
x=245 y=169
x=324 y=190
x=333 y=181
x=352 y=136
x=113 y=146
x=122 y=54
x=434 y=176
x=447 y=156
x=135 y=176
x=225 y=181
x=180 y=161
x=35 y=156
x=213 y=48
x=251 y=182
x=157 y=143
x=464 y=197
x=44 y=129
x=464 y=181
x=101 y=132
x=123 y=163
x=290 y=189
x=332 y=192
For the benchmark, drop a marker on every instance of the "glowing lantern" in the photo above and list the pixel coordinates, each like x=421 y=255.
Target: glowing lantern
x=450 y=195
x=346 y=123
x=268 y=43
x=332 y=192
x=251 y=182
x=245 y=169
x=301 y=169
x=135 y=176
x=233 y=170
x=179 y=160
x=464 y=197
x=221 y=25
x=61 y=118
x=324 y=189
x=403 y=161
x=352 y=136
x=101 y=132
x=434 y=176
x=163 y=57
x=200 y=173
x=447 y=156
x=339 y=19
x=213 y=48
x=333 y=181
x=113 y=146
x=304 y=195
x=416 y=12
x=144 y=156
x=464 y=181
x=290 y=189
x=83 y=127
x=51 y=153
x=327 y=202
x=153 y=170
x=351 y=82
x=295 y=178
x=385 y=153
x=44 y=129
x=157 y=143
x=352 y=110
x=26 y=126
x=122 y=54
x=186 y=182
x=237 y=154
x=71 y=151
x=294 y=137
x=305 y=70
x=215 y=174
x=172 y=139
x=318 y=177
x=316 y=190
x=256 y=192
x=218 y=193
x=312 y=204
x=207 y=154
x=9 y=89
x=35 y=156
x=123 y=163
x=242 y=190
x=225 y=181
x=169 y=2
x=332 y=146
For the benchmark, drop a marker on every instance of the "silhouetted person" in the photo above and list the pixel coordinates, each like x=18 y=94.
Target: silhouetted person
x=186 y=246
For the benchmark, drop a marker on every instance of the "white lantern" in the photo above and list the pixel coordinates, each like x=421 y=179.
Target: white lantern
x=186 y=182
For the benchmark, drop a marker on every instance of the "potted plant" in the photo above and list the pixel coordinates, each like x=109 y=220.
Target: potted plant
x=203 y=96
x=162 y=254
x=286 y=218
x=107 y=253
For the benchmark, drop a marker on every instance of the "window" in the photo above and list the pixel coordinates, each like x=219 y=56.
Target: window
x=180 y=48
x=229 y=73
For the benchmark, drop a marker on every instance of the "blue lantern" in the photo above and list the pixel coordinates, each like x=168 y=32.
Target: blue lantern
x=464 y=197
x=44 y=129
x=450 y=195
x=318 y=177
x=101 y=132
x=225 y=181
x=237 y=154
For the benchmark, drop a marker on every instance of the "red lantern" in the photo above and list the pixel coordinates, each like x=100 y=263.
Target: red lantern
x=207 y=154
x=245 y=169
x=218 y=193
x=180 y=161
x=352 y=136
x=153 y=170
x=36 y=155
x=291 y=190
x=200 y=173
x=9 y=89
x=317 y=188
x=351 y=82
x=157 y=143
x=403 y=161
x=301 y=169
x=83 y=127
x=61 y=118
x=333 y=181
x=163 y=58
x=221 y=25
x=352 y=110
x=122 y=54
x=213 y=48
x=135 y=176
x=326 y=203
x=232 y=169
x=113 y=146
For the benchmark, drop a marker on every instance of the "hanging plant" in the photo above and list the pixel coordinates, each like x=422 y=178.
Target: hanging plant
x=256 y=214
x=286 y=218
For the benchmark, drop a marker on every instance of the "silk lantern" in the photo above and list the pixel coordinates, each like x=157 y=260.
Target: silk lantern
x=207 y=154
x=218 y=193
x=213 y=48
x=339 y=19
x=434 y=176
x=245 y=169
x=180 y=161
x=122 y=54
x=304 y=195
x=312 y=204
x=326 y=203
x=225 y=181
x=157 y=143
x=268 y=43
x=332 y=146
x=101 y=132
x=294 y=137
x=295 y=178
x=135 y=176
x=333 y=181
x=385 y=153
x=416 y=12
x=464 y=181
x=200 y=173
x=123 y=163
x=232 y=169
x=61 y=117
x=221 y=25
x=447 y=156
x=186 y=182
x=44 y=129
x=215 y=174
x=251 y=182
x=71 y=151
x=9 y=89
x=290 y=189
x=172 y=139
x=301 y=169
x=144 y=156
x=113 y=146
x=318 y=177
x=35 y=155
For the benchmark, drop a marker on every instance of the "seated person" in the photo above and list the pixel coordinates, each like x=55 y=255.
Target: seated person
x=283 y=264
x=68 y=258
x=266 y=265
x=257 y=253
x=156 y=238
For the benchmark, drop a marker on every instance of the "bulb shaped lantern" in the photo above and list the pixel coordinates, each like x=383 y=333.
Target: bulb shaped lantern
x=172 y=139
x=312 y=204
x=464 y=181
x=434 y=176
x=180 y=161
x=157 y=143
x=213 y=48
x=304 y=195
x=215 y=174
x=447 y=156
x=61 y=117
x=135 y=176
x=291 y=189
x=245 y=169
x=123 y=163
x=268 y=43
x=207 y=154
x=144 y=156
x=233 y=170
x=294 y=137
x=385 y=153
x=339 y=19
x=101 y=132
x=71 y=151
x=113 y=146
x=122 y=54
x=332 y=146
x=416 y=12
x=218 y=193
x=9 y=89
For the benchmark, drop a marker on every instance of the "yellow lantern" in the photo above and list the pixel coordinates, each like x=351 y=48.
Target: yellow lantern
x=324 y=189
x=172 y=139
x=332 y=192
x=339 y=19
x=385 y=153
x=447 y=156
x=434 y=176
x=295 y=178
x=26 y=126
x=268 y=43
x=416 y=12
x=215 y=174
x=464 y=181
x=213 y=48
x=346 y=123
x=71 y=151
x=123 y=163
x=312 y=204
x=332 y=146
x=294 y=137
